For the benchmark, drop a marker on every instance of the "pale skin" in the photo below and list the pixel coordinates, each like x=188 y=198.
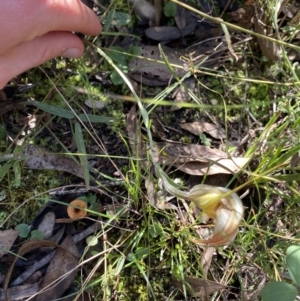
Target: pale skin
x=33 y=32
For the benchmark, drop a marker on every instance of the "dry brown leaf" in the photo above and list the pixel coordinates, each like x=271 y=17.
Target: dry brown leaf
x=198 y=287
x=61 y=271
x=156 y=198
x=181 y=17
x=25 y=248
x=7 y=238
x=20 y=292
x=144 y=9
x=46 y=226
x=198 y=127
x=40 y=158
x=206 y=259
x=198 y=159
x=151 y=191
x=7 y=106
x=134 y=133
x=226 y=166
x=269 y=49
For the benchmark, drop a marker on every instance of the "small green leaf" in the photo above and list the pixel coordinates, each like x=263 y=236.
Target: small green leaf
x=120 y=265
x=92 y=199
x=117 y=54
x=37 y=235
x=134 y=50
x=156 y=229
x=116 y=78
x=23 y=229
x=293 y=263
x=92 y=240
x=140 y=253
x=170 y=9
x=82 y=198
x=121 y=19
x=114 y=18
x=278 y=291
x=204 y=140
x=108 y=19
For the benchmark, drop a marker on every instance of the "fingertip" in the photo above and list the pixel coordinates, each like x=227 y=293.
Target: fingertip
x=72 y=53
x=76 y=17
x=56 y=44
x=38 y=51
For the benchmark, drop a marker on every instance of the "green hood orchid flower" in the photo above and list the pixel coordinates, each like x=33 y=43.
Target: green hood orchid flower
x=219 y=203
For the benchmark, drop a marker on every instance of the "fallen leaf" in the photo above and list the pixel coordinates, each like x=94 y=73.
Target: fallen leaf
x=7 y=106
x=30 y=270
x=46 y=226
x=7 y=238
x=198 y=127
x=20 y=292
x=61 y=271
x=198 y=287
x=40 y=158
x=206 y=259
x=156 y=198
x=144 y=9
x=225 y=166
x=134 y=133
x=268 y=48
x=181 y=17
x=197 y=159
x=25 y=248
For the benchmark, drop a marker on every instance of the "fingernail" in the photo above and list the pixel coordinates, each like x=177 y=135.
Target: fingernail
x=72 y=53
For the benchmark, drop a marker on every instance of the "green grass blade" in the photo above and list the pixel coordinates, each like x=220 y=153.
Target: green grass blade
x=95 y=118
x=60 y=112
x=82 y=150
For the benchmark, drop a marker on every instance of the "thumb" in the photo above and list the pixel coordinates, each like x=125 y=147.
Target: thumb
x=38 y=51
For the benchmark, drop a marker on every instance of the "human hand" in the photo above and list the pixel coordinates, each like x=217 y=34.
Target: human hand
x=35 y=31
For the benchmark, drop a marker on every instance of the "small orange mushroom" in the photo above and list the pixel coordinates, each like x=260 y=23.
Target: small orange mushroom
x=77 y=209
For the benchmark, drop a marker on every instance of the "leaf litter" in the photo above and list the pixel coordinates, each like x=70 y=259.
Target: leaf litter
x=59 y=252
